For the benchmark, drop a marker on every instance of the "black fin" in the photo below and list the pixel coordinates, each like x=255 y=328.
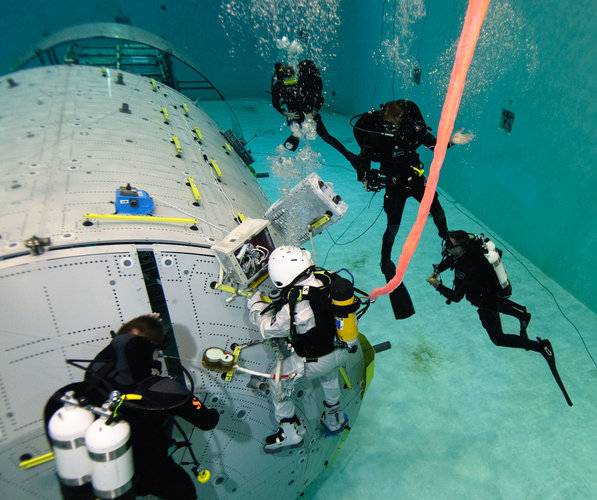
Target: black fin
x=401 y=304
x=547 y=352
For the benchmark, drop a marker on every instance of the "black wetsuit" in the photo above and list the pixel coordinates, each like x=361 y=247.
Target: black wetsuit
x=395 y=150
x=125 y=365
x=303 y=96
x=475 y=279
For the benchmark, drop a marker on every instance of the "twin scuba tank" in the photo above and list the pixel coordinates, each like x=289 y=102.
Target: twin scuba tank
x=91 y=450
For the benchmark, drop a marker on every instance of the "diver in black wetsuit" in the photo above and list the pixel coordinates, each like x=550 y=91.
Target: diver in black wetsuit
x=485 y=286
x=298 y=97
x=391 y=136
x=126 y=365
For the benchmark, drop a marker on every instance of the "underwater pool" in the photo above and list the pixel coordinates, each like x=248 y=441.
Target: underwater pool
x=449 y=415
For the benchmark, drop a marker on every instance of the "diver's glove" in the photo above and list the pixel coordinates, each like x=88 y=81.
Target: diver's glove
x=291 y=115
x=434 y=280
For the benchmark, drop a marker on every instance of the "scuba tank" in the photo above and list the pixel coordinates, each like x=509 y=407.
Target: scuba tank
x=344 y=306
x=493 y=257
x=109 y=447
x=66 y=429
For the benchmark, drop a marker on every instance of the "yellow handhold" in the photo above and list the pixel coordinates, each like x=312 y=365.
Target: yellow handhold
x=186 y=109
x=203 y=476
x=345 y=377
x=228 y=146
x=419 y=171
x=236 y=354
x=216 y=168
x=238 y=291
x=318 y=222
x=140 y=218
x=241 y=217
x=198 y=132
x=177 y=144
x=104 y=71
x=165 y=113
x=191 y=182
x=258 y=282
x=154 y=86
x=32 y=462
x=129 y=397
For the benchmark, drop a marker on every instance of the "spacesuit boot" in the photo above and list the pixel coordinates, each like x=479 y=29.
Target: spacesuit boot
x=333 y=418
x=289 y=434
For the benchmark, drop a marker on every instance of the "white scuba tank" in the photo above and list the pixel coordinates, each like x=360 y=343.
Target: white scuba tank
x=66 y=430
x=493 y=257
x=111 y=455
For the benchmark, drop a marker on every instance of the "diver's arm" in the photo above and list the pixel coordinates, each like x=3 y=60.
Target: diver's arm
x=462 y=278
x=198 y=414
x=270 y=325
x=457 y=137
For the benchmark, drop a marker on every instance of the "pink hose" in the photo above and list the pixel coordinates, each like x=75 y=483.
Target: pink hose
x=464 y=54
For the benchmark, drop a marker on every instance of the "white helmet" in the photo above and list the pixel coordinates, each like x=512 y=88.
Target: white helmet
x=286 y=263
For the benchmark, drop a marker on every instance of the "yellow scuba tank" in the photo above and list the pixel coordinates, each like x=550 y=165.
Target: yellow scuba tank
x=343 y=304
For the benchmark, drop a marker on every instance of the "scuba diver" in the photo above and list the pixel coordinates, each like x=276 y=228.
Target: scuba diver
x=479 y=276
x=391 y=136
x=299 y=97
x=126 y=365
x=306 y=317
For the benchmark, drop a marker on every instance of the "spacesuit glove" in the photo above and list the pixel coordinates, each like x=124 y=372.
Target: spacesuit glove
x=291 y=115
x=256 y=302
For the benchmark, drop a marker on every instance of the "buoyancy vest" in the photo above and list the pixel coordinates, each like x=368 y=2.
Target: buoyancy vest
x=319 y=340
x=381 y=141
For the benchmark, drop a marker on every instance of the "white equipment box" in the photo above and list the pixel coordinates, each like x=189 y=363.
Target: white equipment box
x=244 y=252
x=310 y=206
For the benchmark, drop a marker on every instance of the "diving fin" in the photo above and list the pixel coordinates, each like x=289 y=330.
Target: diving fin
x=401 y=304
x=400 y=299
x=547 y=352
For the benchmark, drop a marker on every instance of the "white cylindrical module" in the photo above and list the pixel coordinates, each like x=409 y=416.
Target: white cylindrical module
x=67 y=429
x=111 y=455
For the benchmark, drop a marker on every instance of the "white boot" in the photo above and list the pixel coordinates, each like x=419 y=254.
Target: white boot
x=333 y=418
x=287 y=435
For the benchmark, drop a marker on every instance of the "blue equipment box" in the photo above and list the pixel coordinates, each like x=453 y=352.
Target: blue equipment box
x=133 y=201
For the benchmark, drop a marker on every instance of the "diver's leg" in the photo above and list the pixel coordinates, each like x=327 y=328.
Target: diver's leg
x=436 y=210
x=490 y=319
x=519 y=311
x=326 y=369
x=400 y=300
x=289 y=429
x=394 y=202
x=332 y=141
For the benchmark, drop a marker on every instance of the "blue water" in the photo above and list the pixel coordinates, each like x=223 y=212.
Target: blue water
x=448 y=415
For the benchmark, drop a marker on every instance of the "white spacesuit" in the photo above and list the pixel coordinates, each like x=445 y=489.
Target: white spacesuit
x=314 y=355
